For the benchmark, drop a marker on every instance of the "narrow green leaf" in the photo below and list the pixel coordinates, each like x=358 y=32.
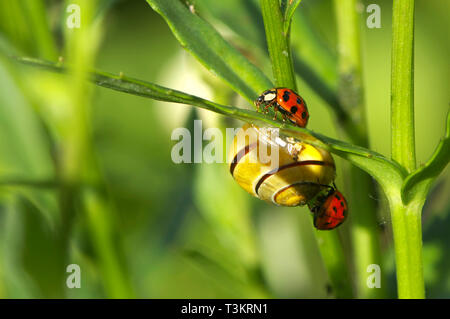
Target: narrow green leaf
x=419 y=182
x=288 y=8
x=207 y=45
x=23 y=144
x=232 y=226
x=333 y=255
x=25 y=24
x=388 y=173
x=242 y=17
x=308 y=44
x=278 y=44
x=42 y=38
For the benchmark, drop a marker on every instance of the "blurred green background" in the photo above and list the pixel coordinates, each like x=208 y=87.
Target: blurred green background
x=142 y=226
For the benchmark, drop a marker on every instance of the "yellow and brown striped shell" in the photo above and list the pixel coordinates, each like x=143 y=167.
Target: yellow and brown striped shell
x=292 y=181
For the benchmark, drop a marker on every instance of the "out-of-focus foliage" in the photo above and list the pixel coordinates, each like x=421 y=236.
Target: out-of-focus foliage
x=157 y=229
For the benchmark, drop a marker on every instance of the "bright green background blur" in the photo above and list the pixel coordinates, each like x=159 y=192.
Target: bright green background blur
x=183 y=231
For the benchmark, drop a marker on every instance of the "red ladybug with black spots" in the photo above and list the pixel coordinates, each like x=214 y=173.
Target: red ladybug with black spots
x=329 y=208
x=290 y=104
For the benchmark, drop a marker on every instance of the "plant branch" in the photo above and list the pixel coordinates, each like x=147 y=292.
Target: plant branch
x=402 y=85
x=385 y=171
x=288 y=9
x=407 y=228
x=419 y=182
x=406 y=217
x=278 y=44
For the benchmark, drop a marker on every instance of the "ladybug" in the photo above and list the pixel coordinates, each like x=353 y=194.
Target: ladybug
x=330 y=209
x=290 y=104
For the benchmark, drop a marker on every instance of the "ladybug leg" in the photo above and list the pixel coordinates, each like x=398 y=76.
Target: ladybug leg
x=266 y=108
x=276 y=111
x=258 y=106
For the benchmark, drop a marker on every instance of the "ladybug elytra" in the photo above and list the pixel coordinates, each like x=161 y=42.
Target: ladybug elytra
x=330 y=209
x=290 y=104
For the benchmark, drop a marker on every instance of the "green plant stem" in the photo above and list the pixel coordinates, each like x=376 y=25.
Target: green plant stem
x=418 y=183
x=101 y=222
x=278 y=44
x=407 y=228
x=364 y=232
x=350 y=86
x=402 y=85
x=333 y=255
x=406 y=218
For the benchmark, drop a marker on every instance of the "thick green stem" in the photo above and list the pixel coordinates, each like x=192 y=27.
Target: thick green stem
x=406 y=219
x=278 y=44
x=407 y=227
x=402 y=84
x=364 y=230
